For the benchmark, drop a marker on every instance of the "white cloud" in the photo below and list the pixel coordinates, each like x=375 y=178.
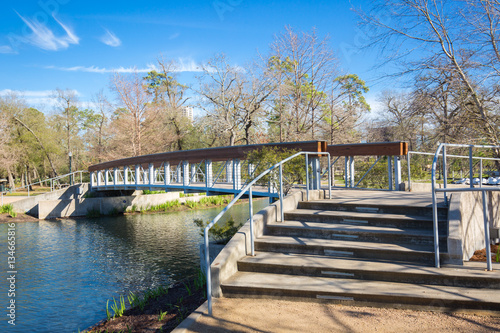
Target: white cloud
x=174 y=36
x=94 y=69
x=5 y=49
x=184 y=65
x=44 y=38
x=35 y=97
x=110 y=39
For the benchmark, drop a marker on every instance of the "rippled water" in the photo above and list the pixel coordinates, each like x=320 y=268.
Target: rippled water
x=68 y=269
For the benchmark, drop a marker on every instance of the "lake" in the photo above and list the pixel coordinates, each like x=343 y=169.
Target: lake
x=67 y=269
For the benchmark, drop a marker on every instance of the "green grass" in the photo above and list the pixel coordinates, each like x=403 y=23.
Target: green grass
x=190 y=204
x=152 y=192
x=8 y=209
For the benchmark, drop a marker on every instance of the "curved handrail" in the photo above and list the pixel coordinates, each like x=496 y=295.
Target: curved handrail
x=248 y=188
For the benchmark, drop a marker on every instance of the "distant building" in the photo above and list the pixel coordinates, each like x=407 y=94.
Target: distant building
x=187 y=112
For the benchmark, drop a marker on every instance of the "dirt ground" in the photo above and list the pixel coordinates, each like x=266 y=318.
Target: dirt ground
x=253 y=315
x=6 y=218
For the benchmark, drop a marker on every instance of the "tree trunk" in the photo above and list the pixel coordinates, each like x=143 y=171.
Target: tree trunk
x=39 y=142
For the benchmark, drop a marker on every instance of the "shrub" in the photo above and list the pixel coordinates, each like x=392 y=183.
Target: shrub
x=221 y=234
x=8 y=209
x=293 y=171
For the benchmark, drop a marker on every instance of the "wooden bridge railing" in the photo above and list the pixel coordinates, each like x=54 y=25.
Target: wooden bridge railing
x=180 y=169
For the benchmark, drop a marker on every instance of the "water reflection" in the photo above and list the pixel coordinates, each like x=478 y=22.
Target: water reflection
x=68 y=269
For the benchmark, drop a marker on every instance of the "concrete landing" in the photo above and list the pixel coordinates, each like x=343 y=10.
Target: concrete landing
x=258 y=315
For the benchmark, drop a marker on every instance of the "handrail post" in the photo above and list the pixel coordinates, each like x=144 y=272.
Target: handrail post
x=389 y=171
x=281 y=194
x=329 y=177
x=307 y=177
x=471 y=168
x=250 y=200
x=409 y=170
x=445 y=175
x=486 y=232
x=435 y=222
x=208 y=272
x=481 y=172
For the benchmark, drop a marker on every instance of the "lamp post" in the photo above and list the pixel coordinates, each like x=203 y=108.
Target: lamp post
x=70 y=175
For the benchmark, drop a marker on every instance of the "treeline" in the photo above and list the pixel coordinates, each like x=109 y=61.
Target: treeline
x=296 y=91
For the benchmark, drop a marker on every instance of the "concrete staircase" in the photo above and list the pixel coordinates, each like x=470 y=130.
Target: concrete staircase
x=364 y=252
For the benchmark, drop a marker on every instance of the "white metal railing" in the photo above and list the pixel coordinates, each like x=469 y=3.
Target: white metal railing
x=442 y=150
x=479 y=158
x=52 y=181
x=248 y=188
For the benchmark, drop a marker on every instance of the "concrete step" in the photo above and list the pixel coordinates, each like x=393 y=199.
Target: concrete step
x=352 y=232
x=346 y=249
x=388 y=207
x=364 y=218
x=360 y=292
x=323 y=266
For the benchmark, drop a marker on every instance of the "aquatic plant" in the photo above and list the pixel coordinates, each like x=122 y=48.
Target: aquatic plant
x=189 y=291
x=93 y=213
x=199 y=280
x=162 y=315
x=191 y=204
x=118 y=309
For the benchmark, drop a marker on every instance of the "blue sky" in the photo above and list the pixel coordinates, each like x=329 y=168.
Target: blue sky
x=72 y=44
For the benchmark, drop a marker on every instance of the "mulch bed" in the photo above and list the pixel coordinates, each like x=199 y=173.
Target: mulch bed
x=178 y=302
x=480 y=255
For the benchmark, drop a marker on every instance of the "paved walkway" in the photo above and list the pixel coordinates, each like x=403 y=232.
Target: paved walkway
x=11 y=199
x=254 y=315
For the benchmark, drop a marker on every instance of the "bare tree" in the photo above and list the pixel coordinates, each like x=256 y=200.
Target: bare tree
x=428 y=36
x=221 y=92
x=135 y=117
x=170 y=97
x=304 y=67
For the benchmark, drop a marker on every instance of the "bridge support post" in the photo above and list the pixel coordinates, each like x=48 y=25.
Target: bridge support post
x=115 y=177
x=125 y=175
x=178 y=172
x=193 y=173
x=137 y=174
x=236 y=174
x=151 y=175
x=185 y=173
x=316 y=173
x=98 y=178
x=397 y=173
x=106 y=178
x=229 y=171
x=389 y=171
x=166 y=173
x=208 y=174
x=349 y=171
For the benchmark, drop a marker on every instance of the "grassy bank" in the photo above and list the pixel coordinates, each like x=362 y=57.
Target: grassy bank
x=176 y=205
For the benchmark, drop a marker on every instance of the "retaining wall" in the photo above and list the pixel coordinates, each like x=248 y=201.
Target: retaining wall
x=466 y=223
x=106 y=205
x=29 y=205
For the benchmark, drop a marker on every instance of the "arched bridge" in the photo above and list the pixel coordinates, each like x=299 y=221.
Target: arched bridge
x=225 y=169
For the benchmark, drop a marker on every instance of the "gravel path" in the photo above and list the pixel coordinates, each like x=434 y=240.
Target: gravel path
x=253 y=315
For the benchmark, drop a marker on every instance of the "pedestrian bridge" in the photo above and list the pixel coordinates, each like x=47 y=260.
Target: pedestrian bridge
x=225 y=169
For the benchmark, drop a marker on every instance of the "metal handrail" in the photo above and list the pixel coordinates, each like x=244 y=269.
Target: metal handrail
x=444 y=190
x=49 y=179
x=248 y=188
x=408 y=157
